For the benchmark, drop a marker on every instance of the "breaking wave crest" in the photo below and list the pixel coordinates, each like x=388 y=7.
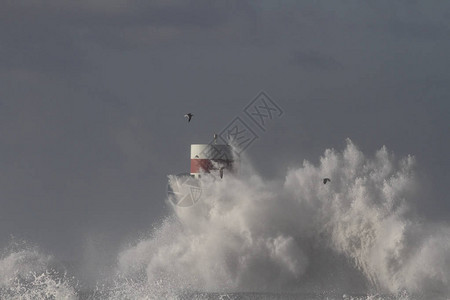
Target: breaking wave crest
x=357 y=233
x=356 y=237
x=26 y=273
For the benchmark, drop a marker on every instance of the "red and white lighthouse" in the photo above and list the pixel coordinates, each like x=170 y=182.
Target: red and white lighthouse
x=210 y=158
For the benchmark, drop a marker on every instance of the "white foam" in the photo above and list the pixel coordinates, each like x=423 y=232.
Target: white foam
x=25 y=273
x=249 y=234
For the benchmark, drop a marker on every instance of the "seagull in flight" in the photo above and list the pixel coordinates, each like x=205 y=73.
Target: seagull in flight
x=188 y=116
x=325 y=180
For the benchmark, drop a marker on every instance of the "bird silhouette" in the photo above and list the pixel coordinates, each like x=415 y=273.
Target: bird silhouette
x=188 y=116
x=325 y=180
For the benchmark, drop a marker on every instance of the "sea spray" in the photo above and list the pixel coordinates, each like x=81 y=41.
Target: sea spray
x=248 y=234
x=356 y=237
x=26 y=273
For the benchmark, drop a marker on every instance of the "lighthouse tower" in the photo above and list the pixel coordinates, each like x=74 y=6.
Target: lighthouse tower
x=208 y=158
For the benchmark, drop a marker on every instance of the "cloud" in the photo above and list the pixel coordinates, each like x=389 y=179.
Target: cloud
x=418 y=30
x=57 y=36
x=39 y=40
x=313 y=60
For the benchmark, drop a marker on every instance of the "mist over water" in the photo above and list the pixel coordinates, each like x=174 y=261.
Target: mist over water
x=356 y=235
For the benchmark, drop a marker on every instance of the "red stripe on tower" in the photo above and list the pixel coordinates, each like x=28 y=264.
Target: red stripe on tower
x=206 y=158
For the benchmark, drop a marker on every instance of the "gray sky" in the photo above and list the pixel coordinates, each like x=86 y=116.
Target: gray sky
x=92 y=98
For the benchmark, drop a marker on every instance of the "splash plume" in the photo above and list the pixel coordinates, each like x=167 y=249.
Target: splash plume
x=250 y=234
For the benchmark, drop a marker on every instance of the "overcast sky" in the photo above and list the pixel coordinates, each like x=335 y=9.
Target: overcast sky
x=93 y=93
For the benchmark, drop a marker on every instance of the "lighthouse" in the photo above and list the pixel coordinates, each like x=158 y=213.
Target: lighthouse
x=210 y=158
x=184 y=190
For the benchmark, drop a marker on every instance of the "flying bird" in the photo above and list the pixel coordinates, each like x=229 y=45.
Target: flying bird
x=215 y=138
x=188 y=116
x=325 y=180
